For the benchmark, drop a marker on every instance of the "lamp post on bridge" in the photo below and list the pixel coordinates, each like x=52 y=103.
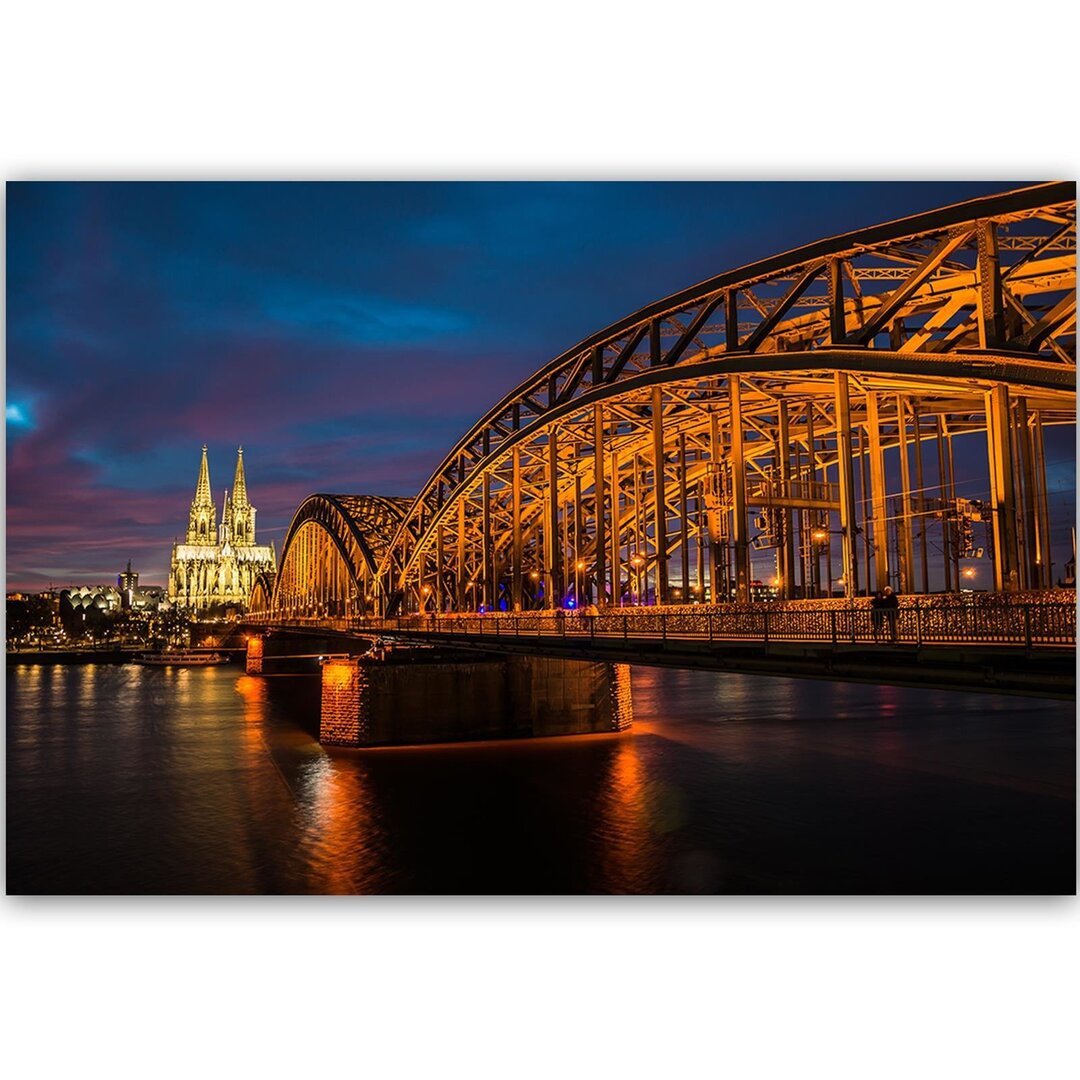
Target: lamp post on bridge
x=637 y=562
x=819 y=537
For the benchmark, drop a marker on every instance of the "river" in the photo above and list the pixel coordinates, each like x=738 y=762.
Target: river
x=122 y=779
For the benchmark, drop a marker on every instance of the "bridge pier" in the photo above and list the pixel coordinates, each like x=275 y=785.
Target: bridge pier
x=270 y=654
x=253 y=662
x=408 y=698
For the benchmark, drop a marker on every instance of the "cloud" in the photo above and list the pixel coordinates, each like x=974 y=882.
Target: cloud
x=18 y=416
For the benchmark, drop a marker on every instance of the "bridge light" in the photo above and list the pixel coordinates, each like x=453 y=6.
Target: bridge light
x=581 y=565
x=535 y=575
x=968 y=571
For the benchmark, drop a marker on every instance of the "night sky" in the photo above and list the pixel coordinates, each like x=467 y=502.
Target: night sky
x=344 y=334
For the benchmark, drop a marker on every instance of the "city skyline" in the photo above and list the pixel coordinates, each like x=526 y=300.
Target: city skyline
x=345 y=334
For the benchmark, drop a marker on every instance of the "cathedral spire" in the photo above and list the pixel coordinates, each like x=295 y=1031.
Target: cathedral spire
x=239 y=495
x=225 y=529
x=201 y=518
x=243 y=513
x=202 y=488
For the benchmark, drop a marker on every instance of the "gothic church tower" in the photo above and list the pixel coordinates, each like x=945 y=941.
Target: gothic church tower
x=201 y=524
x=243 y=513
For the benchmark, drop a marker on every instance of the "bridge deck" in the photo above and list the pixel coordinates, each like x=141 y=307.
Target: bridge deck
x=1027 y=649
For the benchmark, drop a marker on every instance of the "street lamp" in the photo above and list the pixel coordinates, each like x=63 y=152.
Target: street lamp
x=637 y=562
x=534 y=575
x=820 y=536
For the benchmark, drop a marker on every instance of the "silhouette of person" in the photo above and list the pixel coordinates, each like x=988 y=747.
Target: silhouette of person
x=877 y=614
x=890 y=604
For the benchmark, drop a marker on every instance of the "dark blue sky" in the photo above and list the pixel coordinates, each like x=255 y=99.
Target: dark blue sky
x=345 y=334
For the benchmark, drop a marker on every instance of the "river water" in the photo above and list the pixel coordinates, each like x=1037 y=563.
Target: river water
x=123 y=779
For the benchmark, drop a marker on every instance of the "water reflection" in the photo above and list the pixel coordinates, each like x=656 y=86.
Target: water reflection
x=340 y=836
x=624 y=837
x=129 y=779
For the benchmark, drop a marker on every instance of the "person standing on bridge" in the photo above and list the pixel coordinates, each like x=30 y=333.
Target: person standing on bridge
x=877 y=614
x=890 y=605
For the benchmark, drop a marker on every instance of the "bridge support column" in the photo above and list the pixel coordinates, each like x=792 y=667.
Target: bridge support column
x=1002 y=489
x=552 y=542
x=847 y=483
x=409 y=701
x=684 y=520
x=1046 y=579
x=253 y=663
x=616 y=531
x=907 y=550
x=344 y=704
x=738 y=484
x=461 y=570
x=600 y=568
x=515 y=595
x=787 y=539
x=660 y=496
x=877 y=494
x=716 y=518
x=920 y=498
x=1027 y=501
x=945 y=487
x=487 y=564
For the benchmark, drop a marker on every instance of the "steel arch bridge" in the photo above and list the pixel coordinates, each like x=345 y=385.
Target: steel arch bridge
x=330 y=557
x=815 y=404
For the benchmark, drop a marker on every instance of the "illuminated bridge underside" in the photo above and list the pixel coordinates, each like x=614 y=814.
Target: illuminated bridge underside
x=837 y=400
x=330 y=556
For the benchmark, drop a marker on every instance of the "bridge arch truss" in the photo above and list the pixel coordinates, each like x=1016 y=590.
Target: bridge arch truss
x=330 y=557
x=816 y=405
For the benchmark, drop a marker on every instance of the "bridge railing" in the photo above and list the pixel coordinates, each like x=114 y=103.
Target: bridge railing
x=1029 y=625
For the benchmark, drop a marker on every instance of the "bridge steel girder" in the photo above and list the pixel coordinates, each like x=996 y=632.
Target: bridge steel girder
x=959 y=385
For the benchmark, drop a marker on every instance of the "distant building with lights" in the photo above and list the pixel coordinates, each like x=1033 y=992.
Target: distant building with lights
x=136 y=597
x=218 y=564
x=83 y=600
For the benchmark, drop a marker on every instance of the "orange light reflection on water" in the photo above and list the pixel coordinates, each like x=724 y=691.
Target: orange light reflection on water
x=330 y=798
x=627 y=842
x=340 y=834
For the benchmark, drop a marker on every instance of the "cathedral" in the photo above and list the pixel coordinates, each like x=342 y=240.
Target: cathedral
x=218 y=564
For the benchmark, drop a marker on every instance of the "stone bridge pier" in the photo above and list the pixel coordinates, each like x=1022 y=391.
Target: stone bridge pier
x=407 y=695
x=410 y=699
x=294 y=654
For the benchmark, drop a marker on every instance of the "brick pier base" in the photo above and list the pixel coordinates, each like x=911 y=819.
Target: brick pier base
x=370 y=702
x=253 y=663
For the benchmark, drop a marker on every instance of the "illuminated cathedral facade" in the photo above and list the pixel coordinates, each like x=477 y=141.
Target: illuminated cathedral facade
x=217 y=565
